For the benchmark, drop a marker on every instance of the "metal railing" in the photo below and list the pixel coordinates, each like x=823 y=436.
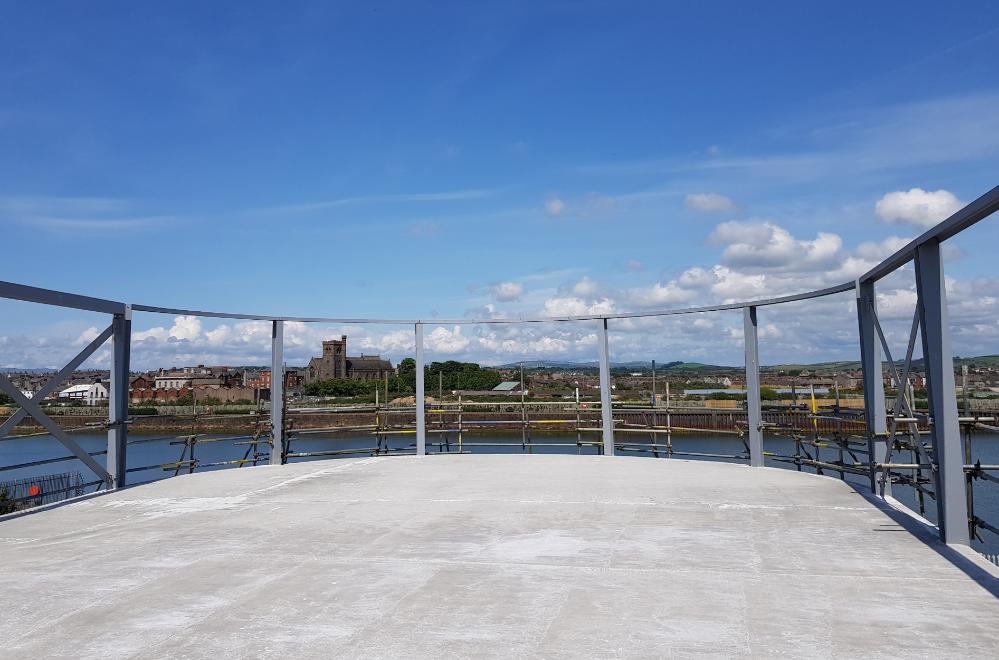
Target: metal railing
x=941 y=469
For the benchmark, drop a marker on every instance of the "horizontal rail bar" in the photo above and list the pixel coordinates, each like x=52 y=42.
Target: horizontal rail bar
x=47 y=461
x=36 y=294
x=839 y=288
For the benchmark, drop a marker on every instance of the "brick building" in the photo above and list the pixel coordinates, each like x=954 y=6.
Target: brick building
x=334 y=363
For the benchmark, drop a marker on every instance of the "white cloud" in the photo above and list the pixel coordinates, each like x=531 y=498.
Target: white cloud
x=709 y=203
x=391 y=198
x=635 y=265
x=442 y=340
x=917 y=207
x=767 y=245
x=87 y=336
x=659 y=295
x=554 y=206
x=575 y=306
x=507 y=291
x=91 y=225
x=586 y=287
x=77 y=215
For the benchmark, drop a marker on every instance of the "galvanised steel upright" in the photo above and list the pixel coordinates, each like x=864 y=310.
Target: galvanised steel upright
x=945 y=432
x=421 y=407
x=277 y=393
x=606 y=405
x=874 y=386
x=754 y=412
x=117 y=460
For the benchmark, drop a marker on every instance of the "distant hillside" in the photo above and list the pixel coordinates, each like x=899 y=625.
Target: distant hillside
x=819 y=367
x=551 y=365
x=637 y=365
x=839 y=366
x=19 y=370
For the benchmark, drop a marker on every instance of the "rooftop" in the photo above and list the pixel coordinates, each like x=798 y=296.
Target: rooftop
x=489 y=555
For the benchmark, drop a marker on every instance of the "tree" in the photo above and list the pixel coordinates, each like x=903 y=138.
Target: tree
x=7 y=505
x=341 y=387
x=407 y=367
x=451 y=375
x=455 y=375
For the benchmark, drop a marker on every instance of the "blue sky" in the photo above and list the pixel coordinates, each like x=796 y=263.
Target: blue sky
x=452 y=159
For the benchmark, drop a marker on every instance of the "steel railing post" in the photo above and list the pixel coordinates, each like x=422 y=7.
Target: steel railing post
x=421 y=408
x=945 y=431
x=606 y=407
x=874 y=386
x=277 y=393
x=121 y=336
x=754 y=410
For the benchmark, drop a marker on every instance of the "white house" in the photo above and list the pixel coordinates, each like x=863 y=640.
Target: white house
x=98 y=394
x=91 y=394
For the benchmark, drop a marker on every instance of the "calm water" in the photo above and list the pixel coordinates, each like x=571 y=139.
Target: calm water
x=145 y=450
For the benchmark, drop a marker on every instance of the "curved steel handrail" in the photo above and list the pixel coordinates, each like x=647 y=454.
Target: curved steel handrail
x=977 y=210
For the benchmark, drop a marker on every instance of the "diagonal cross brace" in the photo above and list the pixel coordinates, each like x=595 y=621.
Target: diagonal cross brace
x=35 y=411
x=901 y=398
x=885 y=347
x=54 y=382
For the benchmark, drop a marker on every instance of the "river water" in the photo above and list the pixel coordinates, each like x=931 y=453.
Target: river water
x=152 y=450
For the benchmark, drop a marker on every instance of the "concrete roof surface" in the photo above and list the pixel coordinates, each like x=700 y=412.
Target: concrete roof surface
x=488 y=556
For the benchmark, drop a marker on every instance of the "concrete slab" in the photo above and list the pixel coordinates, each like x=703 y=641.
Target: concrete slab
x=488 y=556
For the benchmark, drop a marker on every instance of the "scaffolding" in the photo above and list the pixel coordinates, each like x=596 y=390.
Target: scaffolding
x=936 y=441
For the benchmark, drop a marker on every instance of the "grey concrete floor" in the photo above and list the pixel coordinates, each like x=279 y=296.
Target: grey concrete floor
x=488 y=556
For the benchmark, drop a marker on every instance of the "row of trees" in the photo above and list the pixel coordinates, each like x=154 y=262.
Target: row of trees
x=450 y=375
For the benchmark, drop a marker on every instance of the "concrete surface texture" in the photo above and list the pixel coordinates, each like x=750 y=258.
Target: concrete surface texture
x=488 y=556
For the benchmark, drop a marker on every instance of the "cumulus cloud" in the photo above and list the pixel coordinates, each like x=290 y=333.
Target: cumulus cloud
x=507 y=291
x=586 y=287
x=554 y=206
x=576 y=306
x=659 y=295
x=767 y=245
x=709 y=203
x=918 y=207
x=444 y=340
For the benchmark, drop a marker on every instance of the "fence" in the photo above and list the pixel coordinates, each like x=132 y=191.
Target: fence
x=936 y=469
x=19 y=494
